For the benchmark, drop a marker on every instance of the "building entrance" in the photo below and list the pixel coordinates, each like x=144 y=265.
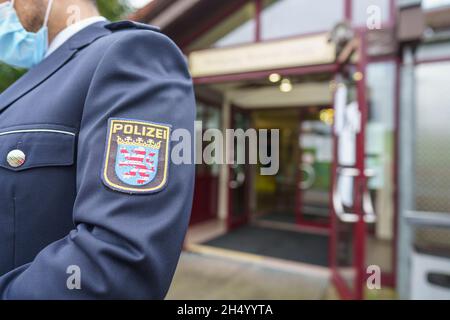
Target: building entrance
x=336 y=174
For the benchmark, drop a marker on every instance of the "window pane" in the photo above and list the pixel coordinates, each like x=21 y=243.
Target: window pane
x=380 y=138
x=283 y=18
x=432 y=138
x=432 y=154
x=436 y=51
x=239 y=28
x=381 y=83
x=210 y=118
x=362 y=10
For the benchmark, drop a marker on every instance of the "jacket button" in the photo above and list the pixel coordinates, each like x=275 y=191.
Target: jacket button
x=16 y=158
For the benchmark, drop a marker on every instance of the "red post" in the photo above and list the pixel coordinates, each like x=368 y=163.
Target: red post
x=258 y=12
x=348 y=10
x=361 y=180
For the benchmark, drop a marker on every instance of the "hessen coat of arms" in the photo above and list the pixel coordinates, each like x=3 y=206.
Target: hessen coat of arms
x=137 y=156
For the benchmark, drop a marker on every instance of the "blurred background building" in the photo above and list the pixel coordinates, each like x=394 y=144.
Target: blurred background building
x=358 y=89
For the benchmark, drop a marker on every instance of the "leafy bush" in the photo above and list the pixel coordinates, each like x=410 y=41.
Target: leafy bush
x=111 y=9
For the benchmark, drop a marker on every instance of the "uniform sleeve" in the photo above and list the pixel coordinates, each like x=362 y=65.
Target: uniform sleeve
x=125 y=245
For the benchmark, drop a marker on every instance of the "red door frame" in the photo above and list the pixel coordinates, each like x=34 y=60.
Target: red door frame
x=358 y=228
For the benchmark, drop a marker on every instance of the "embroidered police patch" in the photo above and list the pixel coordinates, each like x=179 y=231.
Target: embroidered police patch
x=137 y=156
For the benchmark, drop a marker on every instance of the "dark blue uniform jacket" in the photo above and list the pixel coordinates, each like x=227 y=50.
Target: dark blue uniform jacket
x=91 y=207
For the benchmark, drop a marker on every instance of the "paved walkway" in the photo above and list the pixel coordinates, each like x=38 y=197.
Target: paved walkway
x=209 y=277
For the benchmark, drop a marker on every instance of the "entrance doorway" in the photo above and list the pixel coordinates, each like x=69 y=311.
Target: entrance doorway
x=336 y=177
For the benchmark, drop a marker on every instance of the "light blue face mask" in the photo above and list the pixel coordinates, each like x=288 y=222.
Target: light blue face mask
x=19 y=47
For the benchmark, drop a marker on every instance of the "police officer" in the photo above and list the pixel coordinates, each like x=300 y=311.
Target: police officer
x=91 y=207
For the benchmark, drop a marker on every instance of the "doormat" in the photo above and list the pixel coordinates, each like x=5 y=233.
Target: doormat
x=281 y=244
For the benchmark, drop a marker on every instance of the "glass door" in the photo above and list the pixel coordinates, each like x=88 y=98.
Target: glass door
x=238 y=183
x=205 y=204
x=314 y=168
x=380 y=166
x=363 y=220
x=275 y=195
x=352 y=206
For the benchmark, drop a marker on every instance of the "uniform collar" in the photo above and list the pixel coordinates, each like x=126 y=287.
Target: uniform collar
x=70 y=31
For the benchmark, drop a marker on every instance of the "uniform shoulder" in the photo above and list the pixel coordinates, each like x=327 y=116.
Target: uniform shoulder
x=128 y=35
x=130 y=25
x=135 y=34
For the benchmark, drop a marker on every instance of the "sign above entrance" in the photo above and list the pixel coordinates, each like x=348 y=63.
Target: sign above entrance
x=288 y=53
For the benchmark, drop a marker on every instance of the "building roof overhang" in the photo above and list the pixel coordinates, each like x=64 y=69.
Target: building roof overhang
x=184 y=20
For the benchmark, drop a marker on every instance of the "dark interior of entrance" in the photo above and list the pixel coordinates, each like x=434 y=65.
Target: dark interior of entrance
x=299 y=193
x=286 y=215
